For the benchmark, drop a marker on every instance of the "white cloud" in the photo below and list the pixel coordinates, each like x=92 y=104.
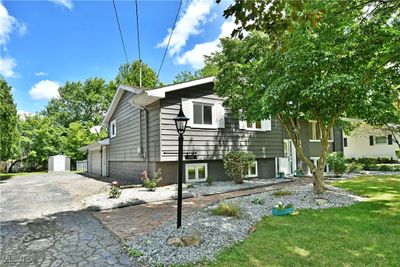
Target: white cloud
x=187 y=25
x=22 y=29
x=7 y=66
x=40 y=73
x=23 y=114
x=7 y=23
x=45 y=90
x=195 y=56
x=66 y=3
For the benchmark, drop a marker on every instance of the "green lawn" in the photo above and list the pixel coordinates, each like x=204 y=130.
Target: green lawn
x=365 y=234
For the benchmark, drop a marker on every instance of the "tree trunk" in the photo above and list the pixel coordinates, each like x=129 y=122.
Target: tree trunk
x=318 y=181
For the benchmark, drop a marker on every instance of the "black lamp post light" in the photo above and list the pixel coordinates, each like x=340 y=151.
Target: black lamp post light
x=180 y=123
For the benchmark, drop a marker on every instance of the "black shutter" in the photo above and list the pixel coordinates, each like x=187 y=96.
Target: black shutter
x=371 y=140
x=390 y=139
x=345 y=142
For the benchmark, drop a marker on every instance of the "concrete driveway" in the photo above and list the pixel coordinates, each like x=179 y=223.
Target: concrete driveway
x=42 y=224
x=33 y=196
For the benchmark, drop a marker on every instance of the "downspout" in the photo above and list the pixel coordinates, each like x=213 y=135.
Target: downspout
x=147 y=139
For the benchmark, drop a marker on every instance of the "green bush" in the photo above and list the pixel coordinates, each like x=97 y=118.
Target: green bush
x=134 y=253
x=190 y=186
x=210 y=180
x=258 y=201
x=236 y=164
x=382 y=167
x=115 y=191
x=281 y=193
x=337 y=163
x=354 y=167
x=151 y=183
x=228 y=210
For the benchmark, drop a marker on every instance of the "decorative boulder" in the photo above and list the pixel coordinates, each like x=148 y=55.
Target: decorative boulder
x=175 y=241
x=321 y=201
x=192 y=240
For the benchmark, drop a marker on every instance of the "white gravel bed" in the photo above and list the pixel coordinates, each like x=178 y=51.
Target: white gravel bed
x=132 y=196
x=139 y=195
x=218 y=232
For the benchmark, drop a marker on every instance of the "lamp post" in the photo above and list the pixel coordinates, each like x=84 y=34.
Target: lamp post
x=180 y=123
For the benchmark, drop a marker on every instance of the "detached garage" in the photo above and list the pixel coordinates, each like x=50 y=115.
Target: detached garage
x=59 y=163
x=97 y=157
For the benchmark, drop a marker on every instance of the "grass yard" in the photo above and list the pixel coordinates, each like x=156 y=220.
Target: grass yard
x=365 y=234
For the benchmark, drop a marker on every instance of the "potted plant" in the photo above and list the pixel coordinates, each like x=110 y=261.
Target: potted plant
x=280 y=209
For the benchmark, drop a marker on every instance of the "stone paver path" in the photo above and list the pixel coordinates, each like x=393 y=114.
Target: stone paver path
x=141 y=219
x=62 y=239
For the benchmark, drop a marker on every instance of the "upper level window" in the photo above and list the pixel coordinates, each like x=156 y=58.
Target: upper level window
x=113 y=128
x=202 y=114
x=315 y=132
x=253 y=125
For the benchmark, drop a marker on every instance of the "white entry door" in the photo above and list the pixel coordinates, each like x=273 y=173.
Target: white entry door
x=289 y=153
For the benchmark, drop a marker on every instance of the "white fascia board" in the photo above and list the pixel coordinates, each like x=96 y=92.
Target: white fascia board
x=160 y=92
x=116 y=99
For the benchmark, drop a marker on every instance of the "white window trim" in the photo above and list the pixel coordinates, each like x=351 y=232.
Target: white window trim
x=314 y=133
x=254 y=127
x=213 y=125
x=253 y=175
x=196 y=165
x=114 y=122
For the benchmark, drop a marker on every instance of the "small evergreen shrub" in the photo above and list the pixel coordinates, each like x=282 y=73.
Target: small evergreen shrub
x=228 y=210
x=236 y=164
x=151 y=183
x=209 y=180
x=115 y=191
x=337 y=163
x=258 y=201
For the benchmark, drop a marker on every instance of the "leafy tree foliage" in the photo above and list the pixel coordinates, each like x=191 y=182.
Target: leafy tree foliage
x=208 y=71
x=8 y=122
x=76 y=136
x=85 y=102
x=129 y=75
x=300 y=68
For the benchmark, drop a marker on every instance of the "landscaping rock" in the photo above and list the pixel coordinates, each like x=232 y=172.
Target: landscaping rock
x=175 y=241
x=321 y=201
x=192 y=240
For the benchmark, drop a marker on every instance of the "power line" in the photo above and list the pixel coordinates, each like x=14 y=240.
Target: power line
x=138 y=43
x=120 y=32
x=169 y=40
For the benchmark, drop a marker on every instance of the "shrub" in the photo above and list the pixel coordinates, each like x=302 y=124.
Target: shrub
x=115 y=191
x=337 y=163
x=299 y=172
x=151 y=183
x=134 y=253
x=280 y=206
x=258 y=201
x=228 y=210
x=398 y=153
x=354 y=167
x=281 y=193
x=209 y=180
x=190 y=186
x=236 y=164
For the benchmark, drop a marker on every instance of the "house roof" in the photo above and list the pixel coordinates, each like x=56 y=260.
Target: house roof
x=143 y=98
x=96 y=145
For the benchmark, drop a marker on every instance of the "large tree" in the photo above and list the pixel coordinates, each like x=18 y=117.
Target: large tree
x=8 y=122
x=309 y=69
x=208 y=70
x=129 y=74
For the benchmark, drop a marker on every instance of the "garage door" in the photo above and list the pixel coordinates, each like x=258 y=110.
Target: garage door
x=95 y=161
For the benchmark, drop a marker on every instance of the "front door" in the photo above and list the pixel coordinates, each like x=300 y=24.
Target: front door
x=289 y=152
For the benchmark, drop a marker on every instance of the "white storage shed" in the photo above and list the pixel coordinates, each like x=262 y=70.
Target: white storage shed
x=59 y=163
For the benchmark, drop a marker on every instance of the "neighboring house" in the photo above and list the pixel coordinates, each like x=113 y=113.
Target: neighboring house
x=366 y=141
x=142 y=136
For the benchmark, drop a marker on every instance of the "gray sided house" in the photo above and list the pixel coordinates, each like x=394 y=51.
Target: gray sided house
x=142 y=136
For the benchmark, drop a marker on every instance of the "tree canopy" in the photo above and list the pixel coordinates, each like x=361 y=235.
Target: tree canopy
x=129 y=75
x=8 y=122
x=207 y=71
x=321 y=70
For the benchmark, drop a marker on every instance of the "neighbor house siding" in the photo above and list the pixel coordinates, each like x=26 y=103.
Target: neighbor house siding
x=212 y=144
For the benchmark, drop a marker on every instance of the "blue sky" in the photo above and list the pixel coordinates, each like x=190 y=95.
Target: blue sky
x=46 y=43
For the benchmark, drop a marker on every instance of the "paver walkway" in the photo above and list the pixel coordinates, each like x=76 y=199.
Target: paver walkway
x=129 y=222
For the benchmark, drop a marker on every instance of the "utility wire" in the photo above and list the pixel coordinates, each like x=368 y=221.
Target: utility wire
x=120 y=31
x=138 y=43
x=169 y=40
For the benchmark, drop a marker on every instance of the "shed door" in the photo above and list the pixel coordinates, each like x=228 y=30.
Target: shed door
x=59 y=164
x=96 y=162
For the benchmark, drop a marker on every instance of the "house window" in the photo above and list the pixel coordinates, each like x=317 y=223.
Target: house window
x=381 y=140
x=202 y=114
x=253 y=125
x=252 y=170
x=113 y=128
x=345 y=142
x=196 y=172
x=315 y=132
